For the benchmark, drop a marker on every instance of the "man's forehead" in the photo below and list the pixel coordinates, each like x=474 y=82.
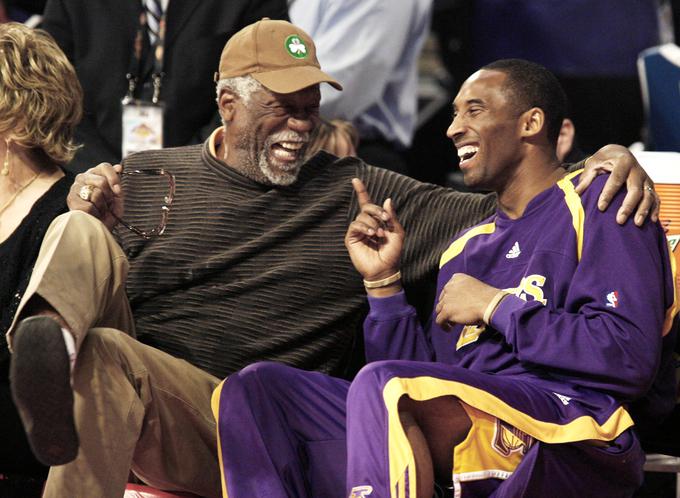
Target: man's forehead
x=309 y=93
x=479 y=87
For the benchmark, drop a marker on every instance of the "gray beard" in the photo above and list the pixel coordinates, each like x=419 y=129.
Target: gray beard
x=281 y=178
x=262 y=172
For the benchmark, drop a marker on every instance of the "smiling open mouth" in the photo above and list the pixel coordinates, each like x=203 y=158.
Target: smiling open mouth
x=467 y=152
x=287 y=151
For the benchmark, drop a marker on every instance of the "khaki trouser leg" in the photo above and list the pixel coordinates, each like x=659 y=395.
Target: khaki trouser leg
x=81 y=272
x=137 y=407
x=134 y=406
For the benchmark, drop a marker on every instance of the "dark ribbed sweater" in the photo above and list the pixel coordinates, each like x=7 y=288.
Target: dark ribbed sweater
x=248 y=272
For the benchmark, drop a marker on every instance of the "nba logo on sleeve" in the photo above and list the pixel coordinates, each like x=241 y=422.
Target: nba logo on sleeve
x=613 y=299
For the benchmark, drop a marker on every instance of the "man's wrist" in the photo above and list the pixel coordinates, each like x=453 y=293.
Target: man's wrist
x=492 y=305
x=376 y=283
x=385 y=286
x=387 y=291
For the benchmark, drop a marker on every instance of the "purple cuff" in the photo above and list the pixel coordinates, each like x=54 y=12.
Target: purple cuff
x=387 y=306
x=500 y=320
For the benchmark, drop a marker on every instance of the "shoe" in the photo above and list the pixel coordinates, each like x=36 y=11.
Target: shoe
x=40 y=380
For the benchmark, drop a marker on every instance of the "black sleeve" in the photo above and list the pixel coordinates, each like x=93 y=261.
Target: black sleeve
x=57 y=22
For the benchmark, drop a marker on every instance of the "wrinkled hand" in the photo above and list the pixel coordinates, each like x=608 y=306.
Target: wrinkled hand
x=375 y=238
x=463 y=300
x=106 y=199
x=624 y=168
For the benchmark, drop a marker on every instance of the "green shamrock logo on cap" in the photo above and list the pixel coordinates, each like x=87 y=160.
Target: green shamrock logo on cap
x=296 y=47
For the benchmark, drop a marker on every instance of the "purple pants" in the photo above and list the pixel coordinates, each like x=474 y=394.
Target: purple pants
x=289 y=433
x=281 y=433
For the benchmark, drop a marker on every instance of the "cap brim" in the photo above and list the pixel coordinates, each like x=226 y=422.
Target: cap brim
x=292 y=79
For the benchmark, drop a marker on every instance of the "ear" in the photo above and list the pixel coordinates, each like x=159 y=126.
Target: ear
x=226 y=103
x=565 y=140
x=532 y=122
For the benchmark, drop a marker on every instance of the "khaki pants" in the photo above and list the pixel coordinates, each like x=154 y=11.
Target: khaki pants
x=136 y=408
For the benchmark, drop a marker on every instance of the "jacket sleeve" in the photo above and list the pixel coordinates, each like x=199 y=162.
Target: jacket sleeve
x=608 y=336
x=57 y=22
x=392 y=331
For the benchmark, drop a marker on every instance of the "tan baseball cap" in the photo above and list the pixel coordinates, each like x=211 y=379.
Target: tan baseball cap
x=278 y=54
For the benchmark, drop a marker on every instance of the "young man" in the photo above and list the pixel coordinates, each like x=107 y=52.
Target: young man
x=540 y=339
x=251 y=266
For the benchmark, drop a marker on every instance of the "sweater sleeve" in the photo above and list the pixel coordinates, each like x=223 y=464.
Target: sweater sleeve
x=608 y=336
x=431 y=216
x=392 y=331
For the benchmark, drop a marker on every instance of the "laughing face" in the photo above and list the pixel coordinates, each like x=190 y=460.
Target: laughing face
x=267 y=136
x=485 y=130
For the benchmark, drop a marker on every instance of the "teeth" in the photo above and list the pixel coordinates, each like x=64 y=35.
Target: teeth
x=284 y=154
x=467 y=151
x=291 y=145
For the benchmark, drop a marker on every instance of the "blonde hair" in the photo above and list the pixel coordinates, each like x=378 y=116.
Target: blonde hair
x=328 y=134
x=40 y=96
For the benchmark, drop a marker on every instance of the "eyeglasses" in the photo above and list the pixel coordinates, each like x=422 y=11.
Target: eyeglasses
x=167 y=200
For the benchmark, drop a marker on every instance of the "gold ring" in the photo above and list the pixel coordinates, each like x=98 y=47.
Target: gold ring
x=85 y=192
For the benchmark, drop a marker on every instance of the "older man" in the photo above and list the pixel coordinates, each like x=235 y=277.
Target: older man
x=251 y=266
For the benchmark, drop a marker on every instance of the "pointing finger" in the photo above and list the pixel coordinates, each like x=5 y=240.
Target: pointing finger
x=362 y=194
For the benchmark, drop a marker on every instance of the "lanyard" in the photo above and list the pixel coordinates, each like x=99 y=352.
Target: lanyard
x=156 y=49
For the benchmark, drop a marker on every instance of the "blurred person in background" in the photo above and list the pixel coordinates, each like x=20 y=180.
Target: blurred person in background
x=337 y=136
x=372 y=46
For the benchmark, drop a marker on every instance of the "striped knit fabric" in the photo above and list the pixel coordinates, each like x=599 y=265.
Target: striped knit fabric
x=246 y=272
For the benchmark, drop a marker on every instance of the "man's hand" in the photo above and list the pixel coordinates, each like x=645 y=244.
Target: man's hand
x=463 y=300
x=105 y=196
x=624 y=168
x=375 y=238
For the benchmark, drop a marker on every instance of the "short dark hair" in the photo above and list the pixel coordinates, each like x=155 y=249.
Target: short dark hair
x=532 y=85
